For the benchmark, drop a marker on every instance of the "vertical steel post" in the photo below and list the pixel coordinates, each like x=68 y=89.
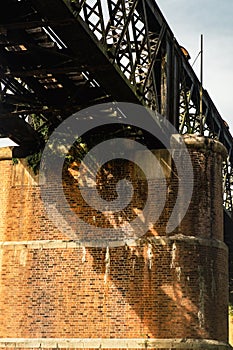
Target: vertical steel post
x=201 y=88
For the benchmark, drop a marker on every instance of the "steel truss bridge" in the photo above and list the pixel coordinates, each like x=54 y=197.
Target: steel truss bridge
x=60 y=56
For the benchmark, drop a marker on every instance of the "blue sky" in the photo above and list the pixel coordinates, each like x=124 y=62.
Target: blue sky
x=188 y=19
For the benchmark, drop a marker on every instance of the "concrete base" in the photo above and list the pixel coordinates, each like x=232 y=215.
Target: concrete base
x=98 y=343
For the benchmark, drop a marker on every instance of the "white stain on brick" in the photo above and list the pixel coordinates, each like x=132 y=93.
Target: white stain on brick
x=201 y=311
x=107 y=265
x=178 y=272
x=173 y=253
x=150 y=256
x=133 y=267
x=23 y=257
x=84 y=255
x=213 y=283
x=133 y=256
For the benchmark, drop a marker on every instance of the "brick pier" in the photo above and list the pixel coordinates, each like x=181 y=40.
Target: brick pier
x=163 y=291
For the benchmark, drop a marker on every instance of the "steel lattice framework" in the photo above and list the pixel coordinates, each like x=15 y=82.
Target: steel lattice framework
x=59 y=56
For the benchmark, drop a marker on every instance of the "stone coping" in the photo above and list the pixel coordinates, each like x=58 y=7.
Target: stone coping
x=72 y=244
x=203 y=143
x=112 y=343
x=6 y=153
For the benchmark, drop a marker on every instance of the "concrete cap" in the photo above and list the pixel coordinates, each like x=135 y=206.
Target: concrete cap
x=6 y=153
x=201 y=143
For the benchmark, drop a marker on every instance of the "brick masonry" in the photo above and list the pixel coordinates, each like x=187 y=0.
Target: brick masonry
x=166 y=288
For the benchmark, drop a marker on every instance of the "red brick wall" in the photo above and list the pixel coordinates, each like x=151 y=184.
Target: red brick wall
x=52 y=293
x=161 y=286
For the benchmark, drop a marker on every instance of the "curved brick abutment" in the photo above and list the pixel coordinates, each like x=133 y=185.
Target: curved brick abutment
x=164 y=290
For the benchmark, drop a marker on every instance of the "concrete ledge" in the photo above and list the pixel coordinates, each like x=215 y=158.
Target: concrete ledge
x=6 y=153
x=191 y=240
x=203 y=144
x=159 y=240
x=101 y=343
